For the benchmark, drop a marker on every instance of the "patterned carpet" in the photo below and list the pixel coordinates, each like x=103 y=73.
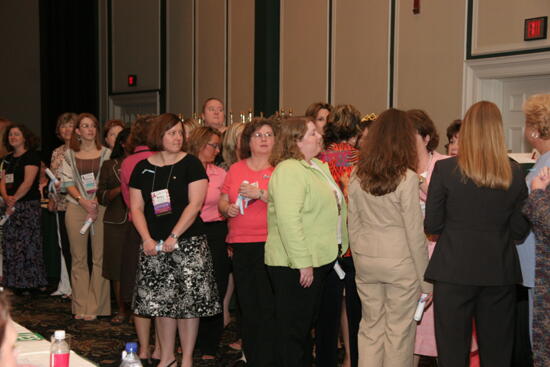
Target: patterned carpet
x=99 y=341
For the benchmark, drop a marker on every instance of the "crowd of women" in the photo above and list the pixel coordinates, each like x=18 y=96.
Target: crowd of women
x=327 y=226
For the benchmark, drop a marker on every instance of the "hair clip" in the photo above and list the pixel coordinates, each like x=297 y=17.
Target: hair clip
x=369 y=117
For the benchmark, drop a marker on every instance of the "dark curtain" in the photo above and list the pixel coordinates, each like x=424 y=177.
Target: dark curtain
x=68 y=63
x=266 y=57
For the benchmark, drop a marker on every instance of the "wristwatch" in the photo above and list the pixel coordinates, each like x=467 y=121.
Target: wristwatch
x=174 y=236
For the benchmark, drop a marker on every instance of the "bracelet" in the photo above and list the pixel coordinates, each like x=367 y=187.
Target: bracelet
x=78 y=198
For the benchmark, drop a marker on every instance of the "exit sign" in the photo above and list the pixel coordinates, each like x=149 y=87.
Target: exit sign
x=535 y=29
x=132 y=80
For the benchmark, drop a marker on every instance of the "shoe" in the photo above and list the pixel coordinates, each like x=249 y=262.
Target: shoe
x=145 y=362
x=172 y=363
x=119 y=319
x=78 y=316
x=89 y=317
x=239 y=363
x=155 y=362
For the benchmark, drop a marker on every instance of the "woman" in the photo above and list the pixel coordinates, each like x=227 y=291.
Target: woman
x=537 y=210
x=340 y=135
x=232 y=144
x=8 y=335
x=319 y=112
x=23 y=267
x=474 y=205
x=213 y=114
x=307 y=232
x=244 y=203
x=111 y=129
x=364 y=126
x=116 y=227
x=537 y=132
x=58 y=202
x=80 y=175
x=453 y=130
x=427 y=140
x=175 y=284
x=204 y=143
x=189 y=125
x=137 y=145
x=388 y=242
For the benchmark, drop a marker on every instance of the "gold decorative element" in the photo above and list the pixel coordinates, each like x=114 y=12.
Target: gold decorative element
x=369 y=117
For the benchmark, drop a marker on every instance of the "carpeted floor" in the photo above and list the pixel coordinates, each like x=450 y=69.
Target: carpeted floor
x=99 y=341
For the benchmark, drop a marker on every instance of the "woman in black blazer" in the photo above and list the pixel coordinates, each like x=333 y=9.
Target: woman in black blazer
x=474 y=204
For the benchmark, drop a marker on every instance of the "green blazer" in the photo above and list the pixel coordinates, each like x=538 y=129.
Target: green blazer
x=302 y=216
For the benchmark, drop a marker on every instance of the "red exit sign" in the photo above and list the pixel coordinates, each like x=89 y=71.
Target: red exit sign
x=132 y=80
x=535 y=28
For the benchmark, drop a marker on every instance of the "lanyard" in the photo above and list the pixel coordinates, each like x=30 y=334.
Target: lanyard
x=167 y=181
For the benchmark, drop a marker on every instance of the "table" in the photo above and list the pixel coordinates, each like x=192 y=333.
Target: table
x=36 y=353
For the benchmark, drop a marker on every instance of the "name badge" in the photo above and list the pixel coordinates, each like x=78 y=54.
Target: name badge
x=161 y=202
x=9 y=178
x=88 y=181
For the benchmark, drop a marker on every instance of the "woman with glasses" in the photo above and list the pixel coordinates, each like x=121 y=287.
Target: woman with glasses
x=244 y=203
x=204 y=143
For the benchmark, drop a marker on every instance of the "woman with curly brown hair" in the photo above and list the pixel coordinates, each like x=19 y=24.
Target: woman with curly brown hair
x=388 y=241
x=23 y=266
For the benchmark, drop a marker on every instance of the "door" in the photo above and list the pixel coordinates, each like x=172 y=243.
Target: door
x=514 y=92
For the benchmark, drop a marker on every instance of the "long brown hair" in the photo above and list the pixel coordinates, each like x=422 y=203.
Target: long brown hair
x=387 y=153
x=483 y=155
x=74 y=144
x=292 y=130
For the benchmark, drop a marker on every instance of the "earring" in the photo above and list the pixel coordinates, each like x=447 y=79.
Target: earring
x=534 y=135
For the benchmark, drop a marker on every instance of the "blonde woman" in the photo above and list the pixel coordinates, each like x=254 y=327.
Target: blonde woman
x=474 y=205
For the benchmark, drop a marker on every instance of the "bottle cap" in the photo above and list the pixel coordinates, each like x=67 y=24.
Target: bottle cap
x=131 y=347
x=59 y=334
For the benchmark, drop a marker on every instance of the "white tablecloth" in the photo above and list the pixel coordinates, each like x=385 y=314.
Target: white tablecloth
x=36 y=353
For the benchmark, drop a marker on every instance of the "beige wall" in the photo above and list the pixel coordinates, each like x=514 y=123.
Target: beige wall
x=179 y=55
x=498 y=25
x=429 y=60
x=240 y=57
x=303 y=53
x=210 y=51
x=136 y=44
x=360 y=54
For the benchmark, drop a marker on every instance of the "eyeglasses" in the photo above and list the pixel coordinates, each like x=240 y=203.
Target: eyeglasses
x=215 y=146
x=264 y=135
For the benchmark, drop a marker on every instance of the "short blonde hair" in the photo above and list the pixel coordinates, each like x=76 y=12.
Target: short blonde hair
x=230 y=137
x=537 y=114
x=199 y=137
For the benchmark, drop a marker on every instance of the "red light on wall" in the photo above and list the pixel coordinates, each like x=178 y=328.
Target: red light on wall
x=132 y=80
x=535 y=29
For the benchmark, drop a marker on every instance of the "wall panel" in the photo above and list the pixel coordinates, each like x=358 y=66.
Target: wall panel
x=179 y=56
x=304 y=53
x=136 y=44
x=360 y=54
x=497 y=25
x=210 y=71
x=240 y=56
x=429 y=64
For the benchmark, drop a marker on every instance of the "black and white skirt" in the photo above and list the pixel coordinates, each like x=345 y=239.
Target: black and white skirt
x=178 y=284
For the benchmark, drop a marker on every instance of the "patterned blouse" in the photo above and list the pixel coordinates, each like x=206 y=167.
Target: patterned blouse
x=537 y=209
x=55 y=166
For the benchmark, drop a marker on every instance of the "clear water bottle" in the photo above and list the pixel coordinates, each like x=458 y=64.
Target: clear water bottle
x=130 y=357
x=59 y=350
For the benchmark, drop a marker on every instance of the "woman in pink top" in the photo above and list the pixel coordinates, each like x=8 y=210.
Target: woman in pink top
x=204 y=143
x=427 y=140
x=244 y=202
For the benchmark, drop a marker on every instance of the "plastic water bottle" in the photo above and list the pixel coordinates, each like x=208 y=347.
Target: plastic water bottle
x=59 y=350
x=130 y=357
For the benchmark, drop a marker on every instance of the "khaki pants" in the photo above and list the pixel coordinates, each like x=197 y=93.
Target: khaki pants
x=389 y=292
x=91 y=294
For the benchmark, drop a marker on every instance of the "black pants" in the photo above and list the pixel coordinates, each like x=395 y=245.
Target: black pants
x=328 y=323
x=65 y=245
x=128 y=267
x=211 y=328
x=522 y=356
x=296 y=310
x=255 y=297
x=492 y=307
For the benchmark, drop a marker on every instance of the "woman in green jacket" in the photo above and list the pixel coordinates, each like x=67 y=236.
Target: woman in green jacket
x=306 y=234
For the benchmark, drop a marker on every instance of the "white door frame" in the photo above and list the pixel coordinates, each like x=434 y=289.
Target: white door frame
x=481 y=76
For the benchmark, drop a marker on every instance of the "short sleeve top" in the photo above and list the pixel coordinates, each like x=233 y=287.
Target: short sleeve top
x=16 y=166
x=176 y=178
x=252 y=225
